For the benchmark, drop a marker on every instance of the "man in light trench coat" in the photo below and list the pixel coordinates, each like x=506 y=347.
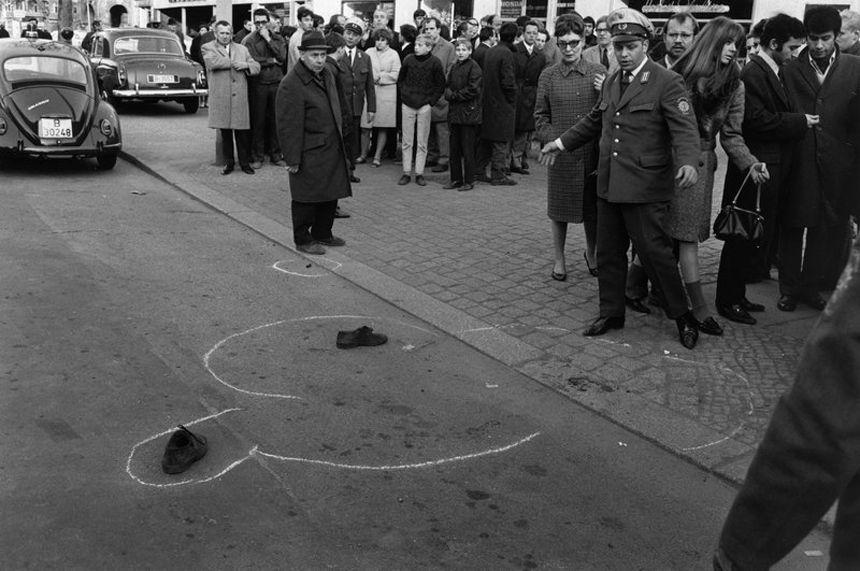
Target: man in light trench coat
x=227 y=65
x=307 y=108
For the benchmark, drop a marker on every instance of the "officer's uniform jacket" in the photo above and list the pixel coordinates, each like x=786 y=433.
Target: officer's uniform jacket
x=640 y=133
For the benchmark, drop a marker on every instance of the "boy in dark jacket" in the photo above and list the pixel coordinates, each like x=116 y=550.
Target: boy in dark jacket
x=421 y=83
x=464 y=115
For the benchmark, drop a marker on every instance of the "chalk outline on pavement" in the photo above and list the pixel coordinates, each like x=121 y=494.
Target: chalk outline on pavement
x=256 y=451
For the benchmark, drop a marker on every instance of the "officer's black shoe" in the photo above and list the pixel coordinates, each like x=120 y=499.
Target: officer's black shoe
x=750 y=306
x=603 y=324
x=737 y=313
x=183 y=449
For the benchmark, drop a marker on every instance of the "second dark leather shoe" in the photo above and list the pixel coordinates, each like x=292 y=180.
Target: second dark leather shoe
x=247 y=169
x=637 y=305
x=750 y=306
x=736 y=313
x=709 y=326
x=688 y=333
x=786 y=303
x=603 y=324
x=228 y=169
x=814 y=301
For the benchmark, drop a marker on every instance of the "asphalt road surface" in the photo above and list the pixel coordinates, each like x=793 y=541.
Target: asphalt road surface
x=128 y=308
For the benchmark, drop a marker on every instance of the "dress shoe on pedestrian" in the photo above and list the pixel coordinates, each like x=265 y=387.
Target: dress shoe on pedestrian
x=504 y=181
x=814 y=301
x=311 y=248
x=256 y=165
x=361 y=337
x=465 y=187
x=737 y=313
x=453 y=184
x=183 y=449
x=786 y=303
x=688 y=333
x=333 y=241
x=483 y=178
x=247 y=169
x=750 y=306
x=559 y=276
x=603 y=324
x=353 y=178
x=405 y=179
x=439 y=168
x=228 y=168
x=419 y=180
x=338 y=213
x=709 y=326
x=637 y=305
x=520 y=170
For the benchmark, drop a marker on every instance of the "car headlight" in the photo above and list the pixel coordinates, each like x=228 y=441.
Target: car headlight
x=106 y=128
x=2 y=126
x=122 y=75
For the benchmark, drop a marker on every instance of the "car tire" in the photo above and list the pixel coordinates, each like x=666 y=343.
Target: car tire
x=106 y=160
x=191 y=105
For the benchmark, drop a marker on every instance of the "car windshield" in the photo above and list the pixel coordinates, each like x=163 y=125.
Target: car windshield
x=146 y=45
x=44 y=68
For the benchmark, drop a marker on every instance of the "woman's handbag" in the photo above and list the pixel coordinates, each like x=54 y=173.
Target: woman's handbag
x=735 y=223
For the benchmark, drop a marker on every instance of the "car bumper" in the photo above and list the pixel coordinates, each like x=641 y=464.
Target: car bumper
x=158 y=93
x=59 y=151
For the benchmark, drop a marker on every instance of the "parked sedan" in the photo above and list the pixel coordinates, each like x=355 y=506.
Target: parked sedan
x=145 y=64
x=50 y=104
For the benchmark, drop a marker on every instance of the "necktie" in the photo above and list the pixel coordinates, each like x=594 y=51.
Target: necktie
x=604 y=58
x=626 y=78
x=351 y=57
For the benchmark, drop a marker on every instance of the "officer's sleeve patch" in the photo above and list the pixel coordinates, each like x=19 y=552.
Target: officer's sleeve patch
x=684 y=106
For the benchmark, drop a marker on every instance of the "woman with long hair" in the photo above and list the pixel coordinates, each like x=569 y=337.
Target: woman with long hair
x=717 y=96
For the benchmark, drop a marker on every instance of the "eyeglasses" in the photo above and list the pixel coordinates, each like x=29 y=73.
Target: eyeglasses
x=564 y=45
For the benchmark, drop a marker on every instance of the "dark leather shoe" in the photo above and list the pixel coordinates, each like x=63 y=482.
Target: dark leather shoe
x=228 y=169
x=404 y=179
x=637 y=305
x=419 y=180
x=750 y=306
x=333 y=241
x=603 y=324
x=786 y=303
x=520 y=170
x=353 y=178
x=247 y=169
x=736 y=313
x=814 y=301
x=183 y=449
x=361 y=337
x=688 y=332
x=709 y=326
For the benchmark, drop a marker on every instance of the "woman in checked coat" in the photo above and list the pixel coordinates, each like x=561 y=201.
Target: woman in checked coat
x=566 y=93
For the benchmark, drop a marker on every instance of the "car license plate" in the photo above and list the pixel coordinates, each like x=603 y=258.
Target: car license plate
x=50 y=128
x=162 y=79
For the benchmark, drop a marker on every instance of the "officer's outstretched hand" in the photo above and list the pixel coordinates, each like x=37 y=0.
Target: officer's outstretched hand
x=548 y=154
x=687 y=176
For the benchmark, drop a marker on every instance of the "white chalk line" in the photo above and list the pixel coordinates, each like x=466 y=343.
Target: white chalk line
x=170 y=431
x=255 y=451
x=412 y=466
x=308 y=275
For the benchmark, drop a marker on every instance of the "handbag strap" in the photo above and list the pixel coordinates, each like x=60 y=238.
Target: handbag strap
x=757 y=192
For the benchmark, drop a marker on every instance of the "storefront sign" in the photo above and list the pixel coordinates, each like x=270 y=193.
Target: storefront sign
x=511 y=9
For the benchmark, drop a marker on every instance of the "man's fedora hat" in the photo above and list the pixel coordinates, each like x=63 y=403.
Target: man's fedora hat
x=313 y=41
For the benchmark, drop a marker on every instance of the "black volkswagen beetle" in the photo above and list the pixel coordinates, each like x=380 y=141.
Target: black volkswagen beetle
x=50 y=104
x=146 y=64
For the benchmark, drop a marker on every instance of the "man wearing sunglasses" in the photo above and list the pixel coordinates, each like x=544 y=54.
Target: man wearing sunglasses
x=269 y=49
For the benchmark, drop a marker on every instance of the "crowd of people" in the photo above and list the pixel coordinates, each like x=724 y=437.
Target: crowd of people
x=642 y=162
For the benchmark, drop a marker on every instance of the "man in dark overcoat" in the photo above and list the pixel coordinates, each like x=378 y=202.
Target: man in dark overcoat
x=309 y=128
x=357 y=84
x=646 y=126
x=499 y=101
x=530 y=64
x=770 y=129
x=822 y=185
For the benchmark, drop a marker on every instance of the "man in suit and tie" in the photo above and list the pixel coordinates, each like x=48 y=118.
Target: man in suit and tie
x=646 y=126
x=602 y=53
x=357 y=84
x=530 y=63
x=770 y=129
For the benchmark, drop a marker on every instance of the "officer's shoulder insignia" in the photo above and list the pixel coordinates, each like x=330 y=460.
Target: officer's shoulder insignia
x=684 y=106
x=645 y=76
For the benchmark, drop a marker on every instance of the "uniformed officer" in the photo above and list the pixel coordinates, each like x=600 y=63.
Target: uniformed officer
x=646 y=125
